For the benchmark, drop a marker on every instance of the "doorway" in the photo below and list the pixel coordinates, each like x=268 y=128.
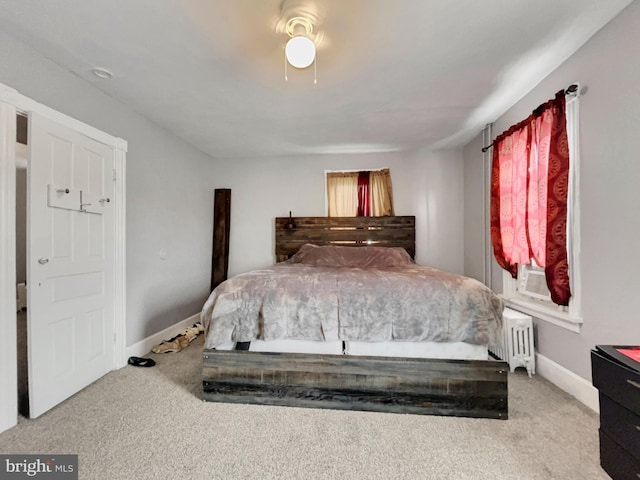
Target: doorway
x=21 y=262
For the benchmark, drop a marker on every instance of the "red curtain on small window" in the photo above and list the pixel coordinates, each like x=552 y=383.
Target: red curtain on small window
x=529 y=190
x=363 y=194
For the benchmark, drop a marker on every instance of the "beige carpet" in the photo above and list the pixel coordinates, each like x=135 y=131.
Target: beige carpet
x=150 y=423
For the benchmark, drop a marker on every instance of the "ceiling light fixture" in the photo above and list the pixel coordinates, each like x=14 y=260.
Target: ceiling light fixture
x=300 y=50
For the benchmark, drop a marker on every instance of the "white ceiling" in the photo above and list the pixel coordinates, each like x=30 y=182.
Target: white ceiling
x=392 y=74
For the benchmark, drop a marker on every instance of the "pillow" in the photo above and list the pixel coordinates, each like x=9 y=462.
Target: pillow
x=354 y=257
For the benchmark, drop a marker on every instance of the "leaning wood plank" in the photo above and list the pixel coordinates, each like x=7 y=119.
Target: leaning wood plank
x=397 y=385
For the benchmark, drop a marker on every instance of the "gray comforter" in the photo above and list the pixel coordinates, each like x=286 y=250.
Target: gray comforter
x=370 y=294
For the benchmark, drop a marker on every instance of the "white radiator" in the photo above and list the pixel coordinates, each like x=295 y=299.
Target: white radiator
x=517 y=347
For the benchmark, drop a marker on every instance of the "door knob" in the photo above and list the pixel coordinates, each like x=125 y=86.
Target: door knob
x=43 y=261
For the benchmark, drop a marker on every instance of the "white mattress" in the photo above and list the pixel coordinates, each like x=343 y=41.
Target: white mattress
x=291 y=346
x=452 y=351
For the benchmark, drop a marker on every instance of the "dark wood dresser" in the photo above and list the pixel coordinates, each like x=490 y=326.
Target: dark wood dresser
x=617 y=378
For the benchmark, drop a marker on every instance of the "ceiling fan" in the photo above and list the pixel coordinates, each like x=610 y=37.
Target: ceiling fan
x=300 y=21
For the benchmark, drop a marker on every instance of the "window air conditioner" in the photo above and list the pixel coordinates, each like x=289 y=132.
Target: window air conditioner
x=533 y=283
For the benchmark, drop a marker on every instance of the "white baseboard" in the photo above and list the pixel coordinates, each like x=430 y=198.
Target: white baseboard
x=568 y=381
x=144 y=346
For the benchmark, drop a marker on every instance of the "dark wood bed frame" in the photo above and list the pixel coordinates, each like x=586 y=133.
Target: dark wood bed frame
x=464 y=388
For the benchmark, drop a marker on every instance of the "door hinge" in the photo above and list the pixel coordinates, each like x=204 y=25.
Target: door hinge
x=114 y=174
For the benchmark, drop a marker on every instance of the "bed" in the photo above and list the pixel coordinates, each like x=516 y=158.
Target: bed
x=346 y=319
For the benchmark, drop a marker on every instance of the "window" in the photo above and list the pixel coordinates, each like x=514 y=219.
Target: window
x=359 y=193
x=529 y=292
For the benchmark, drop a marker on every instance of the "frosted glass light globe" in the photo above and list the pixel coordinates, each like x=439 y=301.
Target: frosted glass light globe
x=300 y=52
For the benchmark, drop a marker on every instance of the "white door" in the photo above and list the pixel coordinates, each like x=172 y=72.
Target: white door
x=70 y=270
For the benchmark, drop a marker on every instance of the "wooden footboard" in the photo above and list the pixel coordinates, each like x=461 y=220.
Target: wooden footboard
x=464 y=388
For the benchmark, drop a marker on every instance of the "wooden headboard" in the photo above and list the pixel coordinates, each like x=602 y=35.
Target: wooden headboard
x=347 y=231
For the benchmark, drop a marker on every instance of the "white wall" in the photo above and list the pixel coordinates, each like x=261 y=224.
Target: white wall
x=436 y=194
x=425 y=184
x=609 y=66
x=169 y=192
x=474 y=215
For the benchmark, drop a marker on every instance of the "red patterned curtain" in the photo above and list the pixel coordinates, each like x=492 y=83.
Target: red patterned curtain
x=529 y=189
x=363 y=194
x=557 y=267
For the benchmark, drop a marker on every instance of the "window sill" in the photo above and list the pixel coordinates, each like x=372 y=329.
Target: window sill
x=547 y=314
